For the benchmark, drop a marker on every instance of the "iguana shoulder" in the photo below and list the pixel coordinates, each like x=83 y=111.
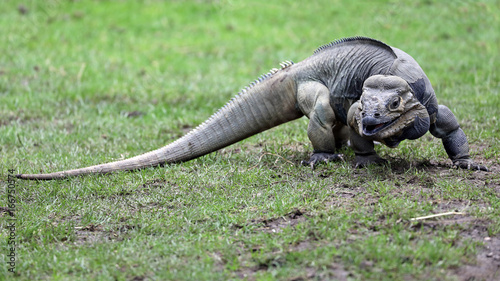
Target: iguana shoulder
x=407 y=68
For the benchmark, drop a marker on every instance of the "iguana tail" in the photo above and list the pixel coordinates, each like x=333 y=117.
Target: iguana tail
x=268 y=102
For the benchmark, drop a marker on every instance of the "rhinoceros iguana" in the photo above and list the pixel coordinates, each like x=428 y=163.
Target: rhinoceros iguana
x=357 y=89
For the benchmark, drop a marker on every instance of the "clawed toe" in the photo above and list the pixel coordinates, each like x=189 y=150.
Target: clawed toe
x=321 y=157
x=366 y=160
x=468 y=164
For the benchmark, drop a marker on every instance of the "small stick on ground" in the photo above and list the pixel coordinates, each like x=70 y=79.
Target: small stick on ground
x=437 y=215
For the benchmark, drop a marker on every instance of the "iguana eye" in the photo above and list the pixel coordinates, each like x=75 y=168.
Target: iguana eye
x=395 y=102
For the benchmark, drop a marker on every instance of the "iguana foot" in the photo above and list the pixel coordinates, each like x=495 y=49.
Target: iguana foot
x=468 y=164
x=319 y=157
x=365 y=160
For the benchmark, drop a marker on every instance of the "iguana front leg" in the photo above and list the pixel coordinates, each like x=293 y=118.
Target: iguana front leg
x=454 y=140
x=363 y=148
x=314 y=101
x=364 y=151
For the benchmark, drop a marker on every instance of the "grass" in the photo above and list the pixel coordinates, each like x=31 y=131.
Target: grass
x=86 y=82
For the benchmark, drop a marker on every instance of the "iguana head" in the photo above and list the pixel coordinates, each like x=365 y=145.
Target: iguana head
x=388 y=111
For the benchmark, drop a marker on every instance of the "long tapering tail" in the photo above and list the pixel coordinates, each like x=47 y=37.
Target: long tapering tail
x=268 y=102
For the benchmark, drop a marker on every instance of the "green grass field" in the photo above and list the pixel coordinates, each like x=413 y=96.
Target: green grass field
x=87 y=82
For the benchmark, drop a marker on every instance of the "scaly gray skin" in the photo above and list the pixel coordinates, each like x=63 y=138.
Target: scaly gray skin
x=354 y=88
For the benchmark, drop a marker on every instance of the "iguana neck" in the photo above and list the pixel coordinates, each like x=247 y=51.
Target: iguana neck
x=345 y=67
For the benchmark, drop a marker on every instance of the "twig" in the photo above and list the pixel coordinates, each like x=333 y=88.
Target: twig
x=437 y=215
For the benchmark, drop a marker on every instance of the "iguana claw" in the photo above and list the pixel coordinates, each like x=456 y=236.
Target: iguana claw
x=469 y=165
x=319 y=157
x=365 y=160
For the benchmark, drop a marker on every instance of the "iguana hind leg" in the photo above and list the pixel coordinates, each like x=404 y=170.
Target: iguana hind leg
x=314 y=101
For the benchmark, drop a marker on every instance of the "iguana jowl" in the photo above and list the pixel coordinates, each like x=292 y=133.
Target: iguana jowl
x=356 y=89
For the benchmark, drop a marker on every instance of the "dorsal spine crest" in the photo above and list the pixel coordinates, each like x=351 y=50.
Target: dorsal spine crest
x=286 y=64
x=350 y=39
x=241 y=94
x=268 y=75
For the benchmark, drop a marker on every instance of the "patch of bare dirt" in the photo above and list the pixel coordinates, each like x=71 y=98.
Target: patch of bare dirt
x=335 y=271
x=134 y=114
x=92 y=233
x=7 y=120
x=487 y=263
x=277 y=224
x=89 y=234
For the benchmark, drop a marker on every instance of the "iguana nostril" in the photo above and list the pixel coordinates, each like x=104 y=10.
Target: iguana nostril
x=376 y=115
